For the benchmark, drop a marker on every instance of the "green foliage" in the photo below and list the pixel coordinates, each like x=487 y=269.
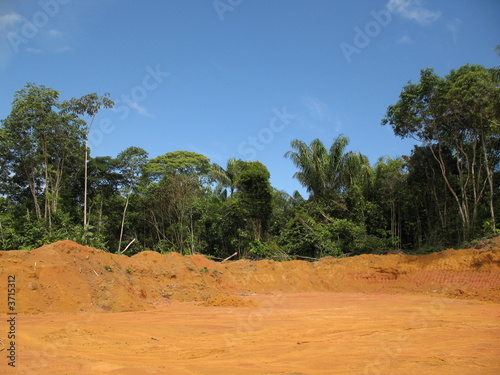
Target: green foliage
x=41 y=145
x=254 y=193
x=447 y=189
x=304 y=236
x=179 y=162
x=458 y=114
x=88 y=105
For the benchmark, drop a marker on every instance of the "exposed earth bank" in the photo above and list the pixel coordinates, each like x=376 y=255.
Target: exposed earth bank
x=85 y=311
x=67 y=277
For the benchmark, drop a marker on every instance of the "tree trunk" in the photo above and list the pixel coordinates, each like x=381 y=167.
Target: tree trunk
x=100 y=214
x=489 y=175
x=462 y=204
x=32 y=185
x=3 y=237
x=123 y=223
x=85 y=188
x=47 y=213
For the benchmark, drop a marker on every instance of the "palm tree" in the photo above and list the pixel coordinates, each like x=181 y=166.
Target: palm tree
x=227 y=178
x=328 y=175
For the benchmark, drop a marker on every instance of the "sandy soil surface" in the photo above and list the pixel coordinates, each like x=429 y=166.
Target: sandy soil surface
x=79 y=310
x=289 y=334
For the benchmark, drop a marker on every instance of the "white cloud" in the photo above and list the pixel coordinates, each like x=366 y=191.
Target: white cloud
x=321 y=113
x=55 y=33
x=405 y=39
x=338 y=123
x=140 y=109
x=63 y=49
x=9 y=23
x=9 y=19
x=454 y=28
x=412 y=9
x=33 y=50
x=317 y=109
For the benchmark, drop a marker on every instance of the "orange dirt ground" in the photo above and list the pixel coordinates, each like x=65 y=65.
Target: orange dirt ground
x=85 y=311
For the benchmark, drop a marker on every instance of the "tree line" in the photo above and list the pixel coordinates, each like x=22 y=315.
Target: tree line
x=443 y=194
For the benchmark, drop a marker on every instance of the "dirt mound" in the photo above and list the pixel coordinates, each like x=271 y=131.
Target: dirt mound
x=228 y=301
x=67 y=277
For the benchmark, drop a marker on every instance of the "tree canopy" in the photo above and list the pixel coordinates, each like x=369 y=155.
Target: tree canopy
x=459 y=113
x=445 y=192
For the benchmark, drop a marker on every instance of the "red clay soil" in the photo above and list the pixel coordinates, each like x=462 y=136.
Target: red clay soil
x=67 y=277
x=85 y=311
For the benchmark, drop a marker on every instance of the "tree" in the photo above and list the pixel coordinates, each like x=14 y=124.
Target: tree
x=390 y=182
x=226 y=178
x=178 y=178
x=328 y=175
x=431 y=218
x=179 y=163
x=88 y=105
x=460 y=113
x=132 y=162
x=255 y=195
x=104 y=181
x=474 y=100
x=314 y=234
x=40 y=144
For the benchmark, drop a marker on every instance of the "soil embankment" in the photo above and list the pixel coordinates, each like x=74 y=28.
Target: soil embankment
x=67 y=277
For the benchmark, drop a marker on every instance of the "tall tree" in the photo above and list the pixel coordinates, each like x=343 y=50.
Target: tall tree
x=226 y=178
x=88 y=105
x=179 y=163
x=459 y=112
x=255 y=195
x=430 y=210
x=132 y=162
x=328 y=174
x=177 y=179
x=390 y=182
x=40 y=144
x=104 y=181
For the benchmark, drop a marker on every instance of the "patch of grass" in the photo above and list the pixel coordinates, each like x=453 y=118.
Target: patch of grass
x=203 y=270
x=108 y=268
x=129 y=270
x=216 y=273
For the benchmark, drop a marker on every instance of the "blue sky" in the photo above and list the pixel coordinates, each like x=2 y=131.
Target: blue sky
x=241 y=78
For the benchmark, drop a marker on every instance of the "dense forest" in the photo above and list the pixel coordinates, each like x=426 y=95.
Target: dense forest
x=444 y=194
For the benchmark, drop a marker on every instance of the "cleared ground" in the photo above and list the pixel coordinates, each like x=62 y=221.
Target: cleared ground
x=285 y=334
x=83 y=311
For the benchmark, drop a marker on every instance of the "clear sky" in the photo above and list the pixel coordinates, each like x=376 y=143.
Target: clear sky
x=241 y=78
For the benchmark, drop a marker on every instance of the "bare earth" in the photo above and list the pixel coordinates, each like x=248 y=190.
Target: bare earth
x=168 y=314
